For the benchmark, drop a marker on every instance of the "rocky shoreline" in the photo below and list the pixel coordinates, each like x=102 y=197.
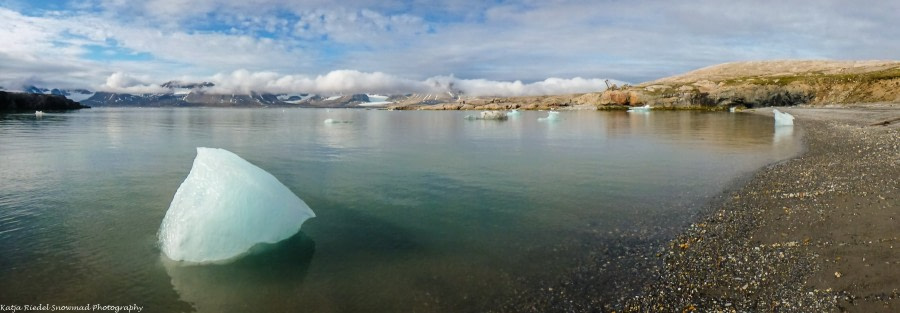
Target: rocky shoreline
x=816 y=233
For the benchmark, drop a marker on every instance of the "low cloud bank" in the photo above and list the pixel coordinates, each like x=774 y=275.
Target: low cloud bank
x=124 y=83
x=352 y=81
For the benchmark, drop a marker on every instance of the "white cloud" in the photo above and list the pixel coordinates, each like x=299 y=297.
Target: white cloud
x=341 y=81
x=497 y=42
x=124 y=83
x=550 y=86
x=351 y=81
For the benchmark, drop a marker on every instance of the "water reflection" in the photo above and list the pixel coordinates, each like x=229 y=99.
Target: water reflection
x=269 y=280
x=783 y=134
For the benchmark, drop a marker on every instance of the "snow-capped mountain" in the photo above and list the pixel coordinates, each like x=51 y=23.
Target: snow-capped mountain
x=77 y=95
x=193 y=94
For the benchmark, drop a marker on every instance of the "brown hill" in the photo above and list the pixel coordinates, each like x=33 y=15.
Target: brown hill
x=747 y=84
x=768 y=83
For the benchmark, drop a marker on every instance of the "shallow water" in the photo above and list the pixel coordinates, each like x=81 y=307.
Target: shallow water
x=417 y=211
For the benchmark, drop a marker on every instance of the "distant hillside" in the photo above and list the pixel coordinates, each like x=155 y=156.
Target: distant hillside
x=768 y=83
x=748 y=84
x=17 y=101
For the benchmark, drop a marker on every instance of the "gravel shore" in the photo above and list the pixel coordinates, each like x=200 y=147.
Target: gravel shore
x=816 y=233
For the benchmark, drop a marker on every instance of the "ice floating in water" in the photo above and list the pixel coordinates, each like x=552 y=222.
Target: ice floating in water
x=333 y=121
x=551 y=116
x=493 y=115
x=645 y=108
x=225 y=207
x=512 y=113
x=39 y=113
x=783 y=119
x=487 y=115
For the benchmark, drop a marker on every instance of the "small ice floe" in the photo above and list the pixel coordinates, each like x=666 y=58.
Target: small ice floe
x=488 y=115
x=783 y=119
x=513 y=113
x=493 y=115
x=39 y=113
x=334 y=121
x=645 y=108
x=552 y=116
x=732 y=109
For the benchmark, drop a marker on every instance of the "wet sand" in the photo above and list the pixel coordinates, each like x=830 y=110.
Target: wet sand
x=816 y=233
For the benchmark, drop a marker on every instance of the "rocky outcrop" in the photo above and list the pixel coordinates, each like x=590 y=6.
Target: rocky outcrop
x=15 y=101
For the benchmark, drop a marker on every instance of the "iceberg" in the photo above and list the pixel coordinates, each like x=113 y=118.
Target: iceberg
x=513 y=113
x=225 y=207
x=487 y=115
x=783 y=119
x=492 y=115
x=39 y=113
x=645 y=108
x=551 y=116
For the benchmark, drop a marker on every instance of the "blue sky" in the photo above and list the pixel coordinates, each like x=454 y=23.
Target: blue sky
x=120 y=44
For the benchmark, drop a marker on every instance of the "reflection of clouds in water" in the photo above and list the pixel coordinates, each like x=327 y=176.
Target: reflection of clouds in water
x=338 y=135
x=114 y=128
x=269 y=280
x=343 y=131
x=783 y=135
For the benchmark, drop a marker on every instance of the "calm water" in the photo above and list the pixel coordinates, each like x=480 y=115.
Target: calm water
x=417 y=211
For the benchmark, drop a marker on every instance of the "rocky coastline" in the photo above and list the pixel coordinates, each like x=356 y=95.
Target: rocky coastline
x=815 y=233
x=17 y=101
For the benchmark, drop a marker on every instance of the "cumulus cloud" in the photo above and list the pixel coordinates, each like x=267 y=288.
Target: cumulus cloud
x=499 y=42
x=549 y=86
x=335 y=82
x=124 y=83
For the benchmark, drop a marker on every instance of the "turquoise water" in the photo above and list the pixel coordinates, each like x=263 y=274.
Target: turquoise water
x=417 y=211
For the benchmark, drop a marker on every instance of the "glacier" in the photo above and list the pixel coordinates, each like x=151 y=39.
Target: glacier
x=225 y=207
x=783 y=119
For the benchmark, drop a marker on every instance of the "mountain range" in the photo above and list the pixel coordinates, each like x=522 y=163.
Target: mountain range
x=197 y=94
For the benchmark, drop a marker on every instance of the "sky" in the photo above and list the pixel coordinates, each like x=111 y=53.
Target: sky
x=482 y=47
